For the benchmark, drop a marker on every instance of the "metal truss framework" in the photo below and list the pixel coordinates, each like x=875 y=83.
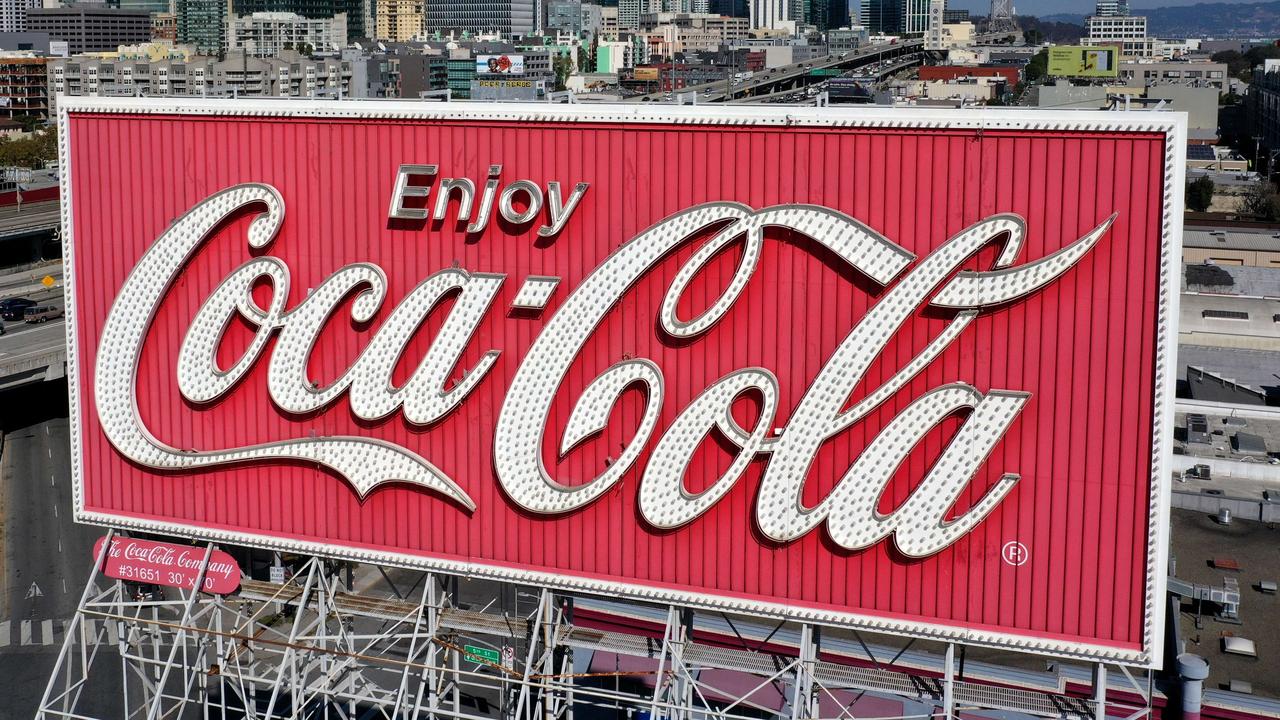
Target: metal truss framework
x=308 y=648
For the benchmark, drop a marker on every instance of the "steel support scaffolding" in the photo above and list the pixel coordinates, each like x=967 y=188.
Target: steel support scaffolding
x=313 y=648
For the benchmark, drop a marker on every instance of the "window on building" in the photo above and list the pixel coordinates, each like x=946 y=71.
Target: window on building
x=1224 y=314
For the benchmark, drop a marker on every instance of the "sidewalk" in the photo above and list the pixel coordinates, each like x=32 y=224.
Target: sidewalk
x=28 y=279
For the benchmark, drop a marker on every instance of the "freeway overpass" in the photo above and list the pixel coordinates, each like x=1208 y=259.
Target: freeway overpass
x=38 y=352
x=790 y=77
x=28 y=234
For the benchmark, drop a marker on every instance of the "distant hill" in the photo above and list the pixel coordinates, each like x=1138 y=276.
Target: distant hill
x=1220 y=20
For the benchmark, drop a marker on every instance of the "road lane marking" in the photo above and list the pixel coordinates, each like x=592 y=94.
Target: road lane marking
x=49 y=450
x=55 y=510
x=46 y=632
x=26 y=633
x=50 y=481
x=59 y=545
x=4 y=634
x=64 y=586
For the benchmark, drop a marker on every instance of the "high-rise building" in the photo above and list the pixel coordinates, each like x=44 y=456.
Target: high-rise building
x=629 y=11
x=399 y=20
x=91 y=29
x=24 y=85
x=13 y=14
x=770 y=14
x=267 y=34
x=1127 y=31
x=729 y=8
x=896 y=17
x=507 y=17
x=837 y=14
x=151 y=6
x=564 y=15
x=1111 y=8
x=355 y=10
x=203 y=23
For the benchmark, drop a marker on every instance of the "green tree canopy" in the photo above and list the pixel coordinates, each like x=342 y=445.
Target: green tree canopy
x=1200 y=194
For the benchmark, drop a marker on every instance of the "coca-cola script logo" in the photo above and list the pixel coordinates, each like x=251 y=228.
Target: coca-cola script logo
x=161 y=563
x=919 y=526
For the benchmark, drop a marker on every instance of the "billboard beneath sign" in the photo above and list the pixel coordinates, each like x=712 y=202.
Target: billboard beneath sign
x=646 y=73
x=927 y=392
x=499 y=64
x=1084 y=61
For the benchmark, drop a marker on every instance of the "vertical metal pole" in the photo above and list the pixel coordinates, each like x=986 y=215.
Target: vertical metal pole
x=287 y=660
x=948 y=687
x=802 y=690
x=1100 y=691
x=180 y=637
x=424 y=613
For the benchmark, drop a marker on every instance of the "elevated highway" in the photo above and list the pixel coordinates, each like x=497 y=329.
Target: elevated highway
x=797 y=75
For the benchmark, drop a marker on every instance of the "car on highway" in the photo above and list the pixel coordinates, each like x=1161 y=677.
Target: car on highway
x=14 y=308
x=42 y=313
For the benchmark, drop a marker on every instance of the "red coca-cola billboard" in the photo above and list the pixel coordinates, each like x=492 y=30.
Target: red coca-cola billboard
x=900 y=370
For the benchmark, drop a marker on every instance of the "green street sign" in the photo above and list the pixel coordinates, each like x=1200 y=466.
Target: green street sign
x=480 y=655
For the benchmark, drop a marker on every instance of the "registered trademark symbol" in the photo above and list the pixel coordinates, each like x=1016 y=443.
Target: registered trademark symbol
x=1015 y=553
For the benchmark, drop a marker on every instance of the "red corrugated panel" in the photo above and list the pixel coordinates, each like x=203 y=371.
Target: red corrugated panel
x=1083 y=348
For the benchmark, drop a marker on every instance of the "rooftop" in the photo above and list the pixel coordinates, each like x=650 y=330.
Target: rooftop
x=1196 y=540
x=1234 y=239
x=1254 y=368
x=1241 y=280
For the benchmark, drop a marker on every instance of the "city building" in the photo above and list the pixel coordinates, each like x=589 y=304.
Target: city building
x=630 y=11
x=771 y=15
x=508 y=18
x=355 y=10
x=565 y=15
x=164 y=26
x=147 y=6
x=290 y=75
x=1010 y=73
x=267 y=34
x=34 y=42
x=1230 y=306
x=13 y=14
x=1247 y=246
x=895 y=17
x=399 y=20
x=1129 y=32
x=1263 y=104
x=1194 y=74
x=460 y=70
x=90 y=29
x=373 y=75
x=845 y=39
x=24 y=85
x=202 y=23
x=421 y=73
x=1111 y=8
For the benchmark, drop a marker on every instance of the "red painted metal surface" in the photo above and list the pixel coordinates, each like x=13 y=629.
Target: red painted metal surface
x=1083 y=348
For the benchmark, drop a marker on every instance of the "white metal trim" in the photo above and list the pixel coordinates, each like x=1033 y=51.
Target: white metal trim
x=1171 y=125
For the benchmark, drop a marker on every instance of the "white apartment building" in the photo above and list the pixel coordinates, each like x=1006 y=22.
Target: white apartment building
x=13 y=14
x=771 y=15
x=266 y=34
x=1127 y=31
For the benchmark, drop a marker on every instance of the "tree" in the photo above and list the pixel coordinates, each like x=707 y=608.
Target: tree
x=563 y=67
x=1038 y=67
x=1200 y=194
x=1237 y=65
x=1261 y=202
